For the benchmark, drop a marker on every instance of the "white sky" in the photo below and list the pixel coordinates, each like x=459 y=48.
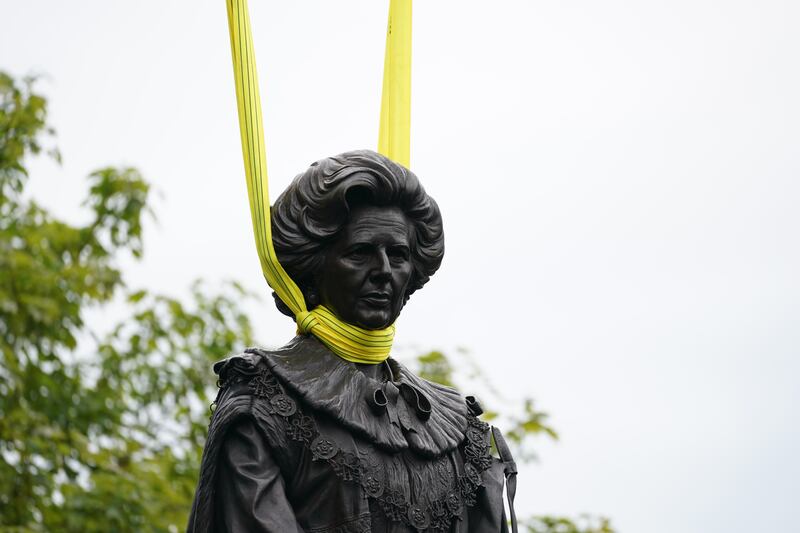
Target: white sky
x=619 y=182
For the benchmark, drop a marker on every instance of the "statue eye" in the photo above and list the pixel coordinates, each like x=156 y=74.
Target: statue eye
x=398 y=253
x=357 y=253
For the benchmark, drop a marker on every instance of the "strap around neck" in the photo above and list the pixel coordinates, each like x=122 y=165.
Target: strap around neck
x=351 y=343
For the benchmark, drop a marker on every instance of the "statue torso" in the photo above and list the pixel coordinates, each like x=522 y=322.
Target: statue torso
x=418 y=461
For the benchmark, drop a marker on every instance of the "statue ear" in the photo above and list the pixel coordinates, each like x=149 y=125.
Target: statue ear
x=312 y=296
x=310 y=288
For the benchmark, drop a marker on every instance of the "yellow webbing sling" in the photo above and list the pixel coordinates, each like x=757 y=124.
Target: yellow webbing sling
x=394 y=138
x=346 y=340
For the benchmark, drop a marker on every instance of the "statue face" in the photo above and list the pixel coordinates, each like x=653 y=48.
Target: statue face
x=367 y=270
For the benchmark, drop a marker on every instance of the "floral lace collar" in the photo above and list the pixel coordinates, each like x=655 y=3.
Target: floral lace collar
x=407 y=412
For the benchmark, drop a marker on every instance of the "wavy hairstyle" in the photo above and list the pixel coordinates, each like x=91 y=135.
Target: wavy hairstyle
x=309 y=215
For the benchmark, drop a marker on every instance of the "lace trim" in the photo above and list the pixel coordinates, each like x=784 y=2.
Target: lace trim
x=359 y=468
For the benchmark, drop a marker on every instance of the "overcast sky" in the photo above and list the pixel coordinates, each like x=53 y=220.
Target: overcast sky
x=619 y=182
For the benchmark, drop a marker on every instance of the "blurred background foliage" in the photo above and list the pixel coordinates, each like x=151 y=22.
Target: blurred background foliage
x=103 y=430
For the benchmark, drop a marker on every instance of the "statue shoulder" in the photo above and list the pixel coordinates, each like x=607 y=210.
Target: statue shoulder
x=243 y=367
x=243 y=376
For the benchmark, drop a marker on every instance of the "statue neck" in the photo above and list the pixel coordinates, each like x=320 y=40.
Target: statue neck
x=377 y=372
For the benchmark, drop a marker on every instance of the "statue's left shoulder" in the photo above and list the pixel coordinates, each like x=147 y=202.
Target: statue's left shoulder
x=486 y=477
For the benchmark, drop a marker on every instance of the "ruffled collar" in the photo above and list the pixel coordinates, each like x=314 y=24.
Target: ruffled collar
x=406 y=412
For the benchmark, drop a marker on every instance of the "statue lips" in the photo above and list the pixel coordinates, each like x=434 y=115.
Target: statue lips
x=377 y=298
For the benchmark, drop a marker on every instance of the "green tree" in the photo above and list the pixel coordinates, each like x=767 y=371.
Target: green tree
x=105 y=434
x=103 y=430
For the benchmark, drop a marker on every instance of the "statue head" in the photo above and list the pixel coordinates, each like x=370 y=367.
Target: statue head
x=359 y=234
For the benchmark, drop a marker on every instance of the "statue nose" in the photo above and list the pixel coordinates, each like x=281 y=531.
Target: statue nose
x=382 y=269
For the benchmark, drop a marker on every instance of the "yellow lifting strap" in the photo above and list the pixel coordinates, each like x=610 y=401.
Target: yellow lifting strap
x=345 y=340
x=394 y=139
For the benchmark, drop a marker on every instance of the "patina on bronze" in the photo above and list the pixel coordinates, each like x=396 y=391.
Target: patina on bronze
x=302 y=440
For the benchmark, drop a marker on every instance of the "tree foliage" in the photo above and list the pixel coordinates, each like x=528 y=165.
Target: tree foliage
x=583 y=524
x=99 y=431
x=103 y=430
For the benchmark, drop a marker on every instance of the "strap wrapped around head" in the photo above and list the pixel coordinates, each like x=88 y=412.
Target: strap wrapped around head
x=346 y=340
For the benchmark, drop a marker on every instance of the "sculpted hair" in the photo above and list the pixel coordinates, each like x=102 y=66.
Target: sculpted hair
x=311 y=212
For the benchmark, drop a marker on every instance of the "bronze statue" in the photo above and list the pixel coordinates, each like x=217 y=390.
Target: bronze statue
x=303 y=440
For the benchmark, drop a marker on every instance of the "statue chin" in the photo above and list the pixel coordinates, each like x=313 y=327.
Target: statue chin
x=369 y=317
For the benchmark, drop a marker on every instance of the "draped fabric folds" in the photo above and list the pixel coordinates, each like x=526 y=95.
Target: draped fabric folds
x=349 y=342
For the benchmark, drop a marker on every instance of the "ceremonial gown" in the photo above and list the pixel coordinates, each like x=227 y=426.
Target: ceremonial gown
x=303 y=441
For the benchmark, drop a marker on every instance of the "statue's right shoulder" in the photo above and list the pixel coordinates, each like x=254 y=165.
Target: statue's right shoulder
x=237 y=368
x=253 y=361
x=238 y=375
x=234 y=375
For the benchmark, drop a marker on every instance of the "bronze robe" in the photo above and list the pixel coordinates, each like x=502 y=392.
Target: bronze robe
x=303 y=441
